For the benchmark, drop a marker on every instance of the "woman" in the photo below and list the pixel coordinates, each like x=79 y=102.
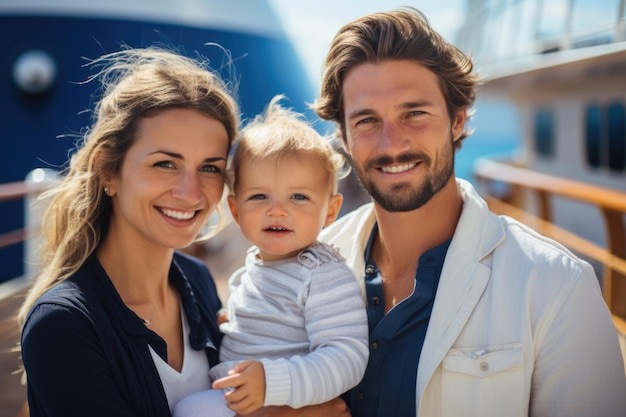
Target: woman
x=118 y=323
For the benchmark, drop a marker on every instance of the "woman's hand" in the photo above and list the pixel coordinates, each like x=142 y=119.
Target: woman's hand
x=332 y=408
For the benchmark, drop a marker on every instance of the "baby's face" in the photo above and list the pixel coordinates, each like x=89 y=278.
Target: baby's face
x=281 y=206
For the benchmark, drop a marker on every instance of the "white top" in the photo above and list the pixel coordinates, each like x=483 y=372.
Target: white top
x=192 y=378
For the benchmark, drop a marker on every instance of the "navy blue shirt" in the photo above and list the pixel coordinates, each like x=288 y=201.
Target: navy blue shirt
x=86 y=353
x=396 y=339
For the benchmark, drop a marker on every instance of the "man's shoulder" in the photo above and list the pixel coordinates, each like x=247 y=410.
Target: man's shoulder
x=512 y=239
x=539 y=249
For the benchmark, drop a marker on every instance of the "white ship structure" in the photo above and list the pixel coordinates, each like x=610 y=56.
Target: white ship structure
x=562 y=64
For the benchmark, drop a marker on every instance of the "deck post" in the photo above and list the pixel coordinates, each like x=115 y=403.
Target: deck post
x=34 y=208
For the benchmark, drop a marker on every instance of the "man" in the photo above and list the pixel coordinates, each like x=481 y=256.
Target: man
x=470 y=314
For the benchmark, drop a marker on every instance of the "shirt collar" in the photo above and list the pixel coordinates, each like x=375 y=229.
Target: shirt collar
x=433 y=256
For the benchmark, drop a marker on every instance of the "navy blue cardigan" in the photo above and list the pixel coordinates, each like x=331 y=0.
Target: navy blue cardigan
x=86 y=353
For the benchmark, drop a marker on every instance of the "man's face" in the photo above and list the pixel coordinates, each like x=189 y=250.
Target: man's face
x=399 y=132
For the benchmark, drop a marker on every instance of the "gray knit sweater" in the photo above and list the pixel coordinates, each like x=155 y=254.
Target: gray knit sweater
x=304 y=318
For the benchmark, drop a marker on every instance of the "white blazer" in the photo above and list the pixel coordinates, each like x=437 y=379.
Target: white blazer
x=518 y=328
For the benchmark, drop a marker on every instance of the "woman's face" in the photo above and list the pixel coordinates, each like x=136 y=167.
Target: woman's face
x=171 y=179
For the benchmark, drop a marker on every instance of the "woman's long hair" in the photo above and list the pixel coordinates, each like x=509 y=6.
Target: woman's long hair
x=135 y=83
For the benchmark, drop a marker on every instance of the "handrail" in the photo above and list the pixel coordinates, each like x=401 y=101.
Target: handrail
x=16 y=191
x=20 y=189
x=610 y=203
x=574 y=242
x=575 y=190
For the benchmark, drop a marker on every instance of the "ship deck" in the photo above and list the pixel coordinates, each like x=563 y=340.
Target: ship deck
x=12 y=391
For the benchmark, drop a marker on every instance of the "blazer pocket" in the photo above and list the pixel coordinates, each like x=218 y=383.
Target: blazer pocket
x=484 y=381
x=482 y=362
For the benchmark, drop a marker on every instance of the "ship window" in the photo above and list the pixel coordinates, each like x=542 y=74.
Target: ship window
x=616 y=115
x=552 y=24
x=606 y=136
x=594 y=135
x=593 y=22
x=544 y=132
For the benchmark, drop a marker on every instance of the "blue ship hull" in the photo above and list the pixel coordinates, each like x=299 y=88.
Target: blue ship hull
x=40 y=130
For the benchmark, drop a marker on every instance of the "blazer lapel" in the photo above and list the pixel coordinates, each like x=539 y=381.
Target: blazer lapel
x=454 y=303
x=465 y=275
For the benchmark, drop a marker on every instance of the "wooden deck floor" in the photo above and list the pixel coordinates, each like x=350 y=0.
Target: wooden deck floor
x=12 y=392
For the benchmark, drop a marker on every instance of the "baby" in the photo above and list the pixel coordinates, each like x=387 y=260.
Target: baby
x=297 y=329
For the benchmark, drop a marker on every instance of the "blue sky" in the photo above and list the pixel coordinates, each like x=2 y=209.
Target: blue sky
x=312 y=24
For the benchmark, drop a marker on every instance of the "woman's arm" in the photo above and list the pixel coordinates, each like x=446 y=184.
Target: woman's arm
x=67 y=370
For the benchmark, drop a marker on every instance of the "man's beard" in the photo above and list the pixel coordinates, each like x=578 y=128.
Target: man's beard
x=402 y=197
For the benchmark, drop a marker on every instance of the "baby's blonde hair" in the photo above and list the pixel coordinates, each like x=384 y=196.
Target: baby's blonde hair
x=280 y=132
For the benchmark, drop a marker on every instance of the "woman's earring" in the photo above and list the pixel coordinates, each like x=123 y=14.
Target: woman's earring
x=106 y=191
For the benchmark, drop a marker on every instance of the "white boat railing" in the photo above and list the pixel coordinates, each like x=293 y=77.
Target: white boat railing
x=536 y=27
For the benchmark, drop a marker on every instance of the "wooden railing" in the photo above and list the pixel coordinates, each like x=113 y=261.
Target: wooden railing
x=17 y=191
x=506 y=187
